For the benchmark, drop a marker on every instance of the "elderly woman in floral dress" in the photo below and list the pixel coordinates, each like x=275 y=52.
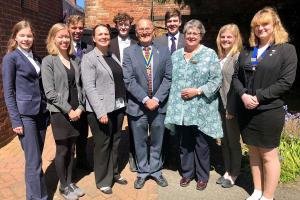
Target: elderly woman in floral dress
x=193 y=104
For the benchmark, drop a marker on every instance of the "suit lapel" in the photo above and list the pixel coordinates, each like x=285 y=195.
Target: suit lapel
x=75 y=66
x=140 y=57
x=60 y=66
x=155 y=61
x=100 y=58
x=180 y=41
x=26 y=60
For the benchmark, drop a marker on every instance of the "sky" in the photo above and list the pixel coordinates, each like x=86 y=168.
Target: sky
x=80 y=3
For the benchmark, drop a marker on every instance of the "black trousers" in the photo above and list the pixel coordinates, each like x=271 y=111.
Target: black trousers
x=81 y=141
x=106 y=142
x=231 y=146
x=194 y=153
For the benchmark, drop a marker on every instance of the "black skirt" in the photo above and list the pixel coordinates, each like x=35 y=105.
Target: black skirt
x=262 y=128
x=62 y=127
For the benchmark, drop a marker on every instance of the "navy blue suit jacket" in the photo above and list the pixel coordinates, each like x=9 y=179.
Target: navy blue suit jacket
x=22 y=87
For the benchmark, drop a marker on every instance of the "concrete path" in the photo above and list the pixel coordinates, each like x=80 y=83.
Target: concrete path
x=12 y=186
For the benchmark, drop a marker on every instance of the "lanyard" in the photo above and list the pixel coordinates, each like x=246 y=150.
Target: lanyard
x=254 y=59
x=147 y=61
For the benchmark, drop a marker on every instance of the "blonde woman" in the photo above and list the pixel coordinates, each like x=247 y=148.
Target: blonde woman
x=264 y=73
x=229 y=43
x=61 y=81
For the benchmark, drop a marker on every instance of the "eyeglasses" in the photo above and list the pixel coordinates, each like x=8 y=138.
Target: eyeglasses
x=144 y=30
x=192 y=34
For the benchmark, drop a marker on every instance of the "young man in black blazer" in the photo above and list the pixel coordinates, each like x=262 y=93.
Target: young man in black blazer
x=173 y=38
x=75 y=25
x=123 y=23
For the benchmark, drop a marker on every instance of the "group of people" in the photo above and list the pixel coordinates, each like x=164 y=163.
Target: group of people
x=172 y=82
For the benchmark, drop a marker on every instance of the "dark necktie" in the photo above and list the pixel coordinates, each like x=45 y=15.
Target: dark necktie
x=173 y=45
x=78 y=52
x=148 y=69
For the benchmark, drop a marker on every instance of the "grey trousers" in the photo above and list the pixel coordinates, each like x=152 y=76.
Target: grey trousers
x=152 y=122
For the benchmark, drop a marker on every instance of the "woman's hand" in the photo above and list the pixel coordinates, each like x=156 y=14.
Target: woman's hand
x=250 y=102
x=73 y=115
x=189 y=93
x=18 y=130
x=103 y=119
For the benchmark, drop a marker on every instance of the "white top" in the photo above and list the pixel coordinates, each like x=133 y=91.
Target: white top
x=75 y=45
x=262 y=49
x=223 y=61
x=170 y=41
x=29 y=56
x=122 y=45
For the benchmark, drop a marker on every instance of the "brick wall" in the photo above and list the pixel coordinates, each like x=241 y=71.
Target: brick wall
x=43 y=15
x=103 y=11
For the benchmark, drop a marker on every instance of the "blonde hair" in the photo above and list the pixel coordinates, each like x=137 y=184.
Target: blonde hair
x=51 y=47
x=237 y=45
x=12 y=43
x=267 y=15
x=73 y=19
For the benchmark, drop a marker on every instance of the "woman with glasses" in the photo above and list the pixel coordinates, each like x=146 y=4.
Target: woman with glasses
x=193 y=104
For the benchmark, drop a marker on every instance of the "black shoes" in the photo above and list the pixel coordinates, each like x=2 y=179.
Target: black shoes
x=139 y=183
x=121 y=181
x=106 y=190
x=161 y=181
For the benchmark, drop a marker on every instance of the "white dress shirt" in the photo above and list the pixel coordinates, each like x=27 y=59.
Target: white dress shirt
x=75 y=45
x=122 y=45
x=29 y=56
x=170 y=41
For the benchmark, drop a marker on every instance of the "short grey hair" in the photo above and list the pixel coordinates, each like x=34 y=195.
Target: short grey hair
x=194 y=23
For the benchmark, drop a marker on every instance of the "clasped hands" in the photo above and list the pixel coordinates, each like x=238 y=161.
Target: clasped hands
x=250 y=102
x=189 y=93
x=74 y=115
x=151 y=104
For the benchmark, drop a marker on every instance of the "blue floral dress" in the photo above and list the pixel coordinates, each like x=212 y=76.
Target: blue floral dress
x=201 y=71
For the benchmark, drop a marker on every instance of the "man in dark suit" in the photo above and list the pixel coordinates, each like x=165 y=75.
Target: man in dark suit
x=147 y=72
x=173 y=38
x=117 y=45
x=75 y=25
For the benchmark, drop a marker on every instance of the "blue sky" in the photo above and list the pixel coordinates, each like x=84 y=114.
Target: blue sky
x=80 y=3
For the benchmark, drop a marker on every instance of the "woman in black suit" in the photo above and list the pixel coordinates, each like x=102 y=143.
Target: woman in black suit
x=263 y=74
x=62 y=84
x=26 y=104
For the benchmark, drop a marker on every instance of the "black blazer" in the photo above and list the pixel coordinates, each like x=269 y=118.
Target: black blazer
x=22 y=86
x=274 y=75
x=114 y=46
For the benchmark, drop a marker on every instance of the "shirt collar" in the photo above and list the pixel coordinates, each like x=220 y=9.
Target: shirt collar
x=127 y=40
x=76 y=42
x=26 y=53
x=176 y=36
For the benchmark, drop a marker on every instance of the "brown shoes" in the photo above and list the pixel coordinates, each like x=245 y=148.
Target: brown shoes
x=201 y=185
x=184 y=181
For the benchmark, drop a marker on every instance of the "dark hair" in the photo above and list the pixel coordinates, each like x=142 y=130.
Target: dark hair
x=100 y=25
x=12 y=44
x=172 y=13
x=122 y=17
